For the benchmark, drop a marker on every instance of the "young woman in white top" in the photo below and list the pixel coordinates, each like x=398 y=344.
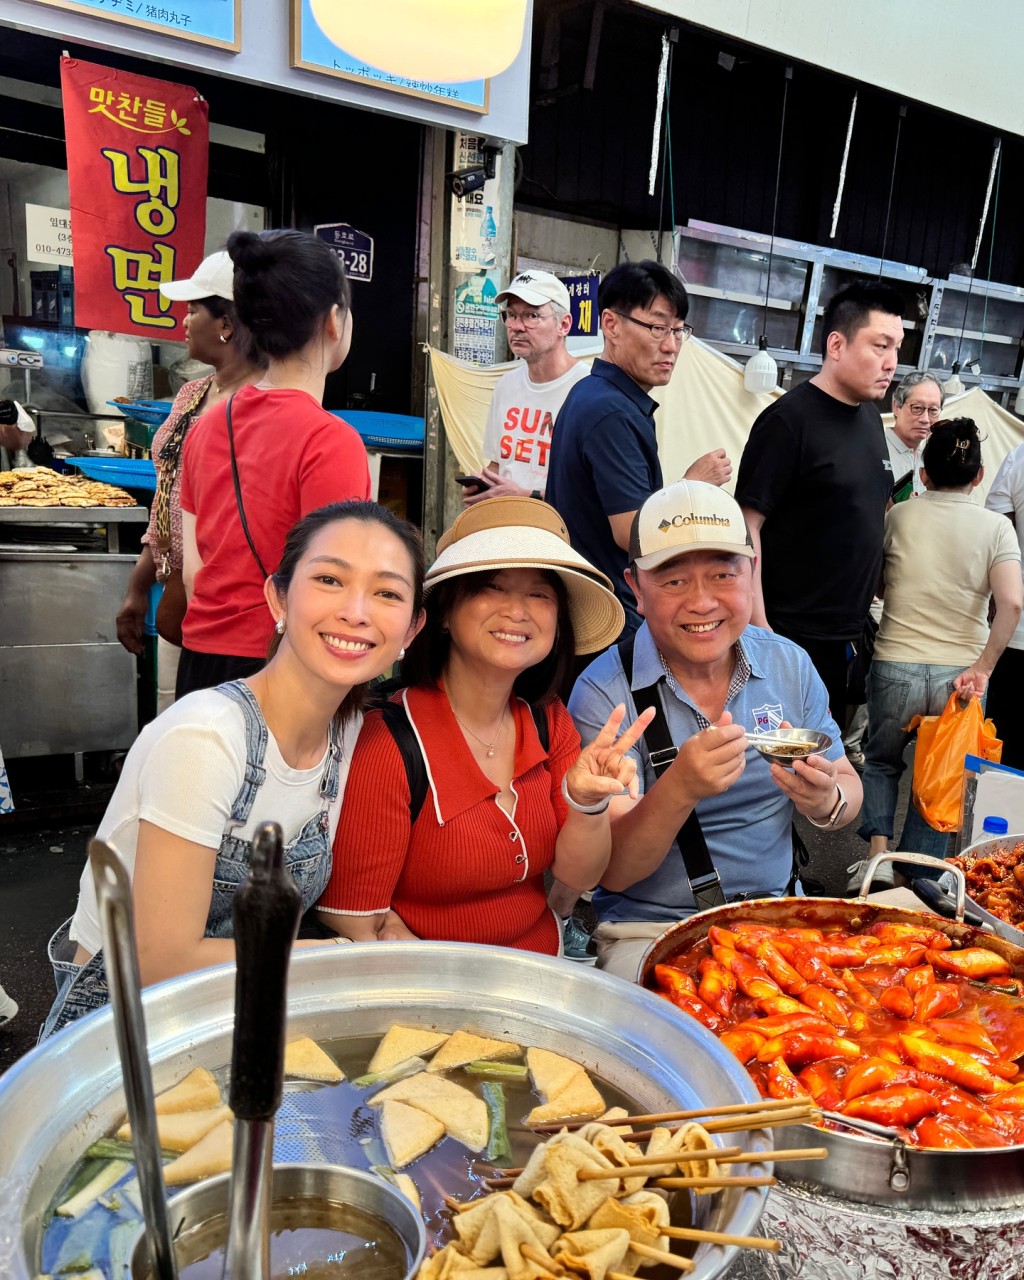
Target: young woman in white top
x=945 y=556
x=276 y=746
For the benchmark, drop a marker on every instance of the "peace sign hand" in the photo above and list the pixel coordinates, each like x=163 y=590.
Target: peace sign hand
x=603 y=768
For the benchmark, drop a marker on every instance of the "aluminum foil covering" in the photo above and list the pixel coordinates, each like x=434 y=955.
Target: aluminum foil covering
x=828 y=1239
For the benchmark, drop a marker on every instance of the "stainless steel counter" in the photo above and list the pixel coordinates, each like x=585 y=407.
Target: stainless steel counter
x=66 y=684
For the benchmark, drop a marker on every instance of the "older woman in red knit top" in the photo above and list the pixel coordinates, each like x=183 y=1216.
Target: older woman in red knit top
x=509 y=793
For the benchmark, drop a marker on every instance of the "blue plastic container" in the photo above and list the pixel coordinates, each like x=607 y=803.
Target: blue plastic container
x=155 y=592
x=128 y=473
x=151 y=412
x=385 y=430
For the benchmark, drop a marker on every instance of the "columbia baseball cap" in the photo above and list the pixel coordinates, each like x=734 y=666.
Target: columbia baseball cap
x=535 y=288
x=213 y=278
x=688 y=516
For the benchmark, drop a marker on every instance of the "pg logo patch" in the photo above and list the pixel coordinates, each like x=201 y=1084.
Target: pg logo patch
x=768 y=717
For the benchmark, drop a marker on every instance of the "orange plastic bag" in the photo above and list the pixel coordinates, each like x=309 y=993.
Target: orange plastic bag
x=942 y=743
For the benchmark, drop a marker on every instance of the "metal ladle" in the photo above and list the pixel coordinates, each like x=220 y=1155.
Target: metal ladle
x=265 y=914
x=121 y=961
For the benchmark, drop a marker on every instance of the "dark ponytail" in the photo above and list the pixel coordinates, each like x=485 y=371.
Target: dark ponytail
x=285 y=284
x=952 y=453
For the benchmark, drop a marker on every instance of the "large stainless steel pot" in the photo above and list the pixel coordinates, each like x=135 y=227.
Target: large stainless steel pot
x=983 y=849
x=868 y=1169
x=68 y=1092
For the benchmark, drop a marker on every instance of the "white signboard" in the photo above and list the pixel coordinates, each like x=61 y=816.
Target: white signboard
x=48 y=234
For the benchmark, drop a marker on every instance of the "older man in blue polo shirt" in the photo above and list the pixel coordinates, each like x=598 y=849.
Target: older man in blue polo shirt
x=715 y=678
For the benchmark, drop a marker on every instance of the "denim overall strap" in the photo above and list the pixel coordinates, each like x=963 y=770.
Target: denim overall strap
x=256 y=738
x=329 y=782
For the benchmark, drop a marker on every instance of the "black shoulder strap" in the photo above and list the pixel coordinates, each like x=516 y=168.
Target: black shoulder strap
x=238 y=493
x=705 y=883
x=405 y=740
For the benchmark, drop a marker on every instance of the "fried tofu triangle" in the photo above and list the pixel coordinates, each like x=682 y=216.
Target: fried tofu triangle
x=197 y=1092
x=463 y=1047
x=407 y=1132
x=210 y=1155
x=305 y=1060
x=402 y=1043
x=565 y=1087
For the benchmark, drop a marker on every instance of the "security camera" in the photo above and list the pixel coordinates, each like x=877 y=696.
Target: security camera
x=463 y=181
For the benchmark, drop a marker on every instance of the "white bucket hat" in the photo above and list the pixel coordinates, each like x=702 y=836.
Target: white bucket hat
x=523 y=533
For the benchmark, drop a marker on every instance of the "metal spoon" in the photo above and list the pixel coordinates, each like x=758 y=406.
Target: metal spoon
x=265 y=913
x=121 y=961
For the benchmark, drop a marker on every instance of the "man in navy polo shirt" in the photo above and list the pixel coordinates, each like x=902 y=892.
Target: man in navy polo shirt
x=717 y=677
x=604 y=453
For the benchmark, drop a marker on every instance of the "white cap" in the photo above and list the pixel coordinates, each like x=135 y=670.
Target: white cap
x=213 y=278
x=688 y=516
x=535 y=288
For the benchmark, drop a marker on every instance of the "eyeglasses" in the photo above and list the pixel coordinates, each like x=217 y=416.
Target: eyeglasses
x=528 y=319
x=920 y=410
x=659 y=332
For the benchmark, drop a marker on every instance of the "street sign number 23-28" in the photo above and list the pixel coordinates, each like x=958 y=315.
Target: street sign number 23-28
x=354 y=248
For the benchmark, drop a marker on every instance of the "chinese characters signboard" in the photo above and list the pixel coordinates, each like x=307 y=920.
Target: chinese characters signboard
x=138 y=151
x=583 y=304
x=216 y=22
x=354 y=248
x=315 y=51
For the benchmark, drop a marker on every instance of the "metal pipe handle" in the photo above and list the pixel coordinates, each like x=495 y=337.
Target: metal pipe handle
x=921 y=860
x=121 y=961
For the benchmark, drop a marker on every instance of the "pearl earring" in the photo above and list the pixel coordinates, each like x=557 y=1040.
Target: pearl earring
x=223 y=338
x=401 y=653
x=279 y=626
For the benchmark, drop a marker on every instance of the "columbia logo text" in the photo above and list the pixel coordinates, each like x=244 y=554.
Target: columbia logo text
x=681 y=522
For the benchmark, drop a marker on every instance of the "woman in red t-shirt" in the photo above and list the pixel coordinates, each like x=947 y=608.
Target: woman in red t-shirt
x=509 y=604
x=258 y=463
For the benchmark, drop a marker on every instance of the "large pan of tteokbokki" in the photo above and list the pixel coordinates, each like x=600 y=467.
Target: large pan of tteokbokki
x=906 y=1031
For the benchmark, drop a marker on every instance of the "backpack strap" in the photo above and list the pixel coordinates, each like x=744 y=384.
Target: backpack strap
x=401 y=730
x=705 y=883
x=409 y=749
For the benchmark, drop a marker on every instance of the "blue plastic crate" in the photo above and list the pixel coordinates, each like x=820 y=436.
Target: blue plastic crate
x=150 y=412
x=128 y=473
x=384 y=430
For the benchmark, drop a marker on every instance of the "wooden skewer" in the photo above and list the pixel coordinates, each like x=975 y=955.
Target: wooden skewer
x=720 y=1237
x=665 y=1117
x=662 y=1255
x=532 y=1254
x=719 y=1153
x=498 y=1184
x=676 y=1184
x=769 y=1157
x=764 y=1119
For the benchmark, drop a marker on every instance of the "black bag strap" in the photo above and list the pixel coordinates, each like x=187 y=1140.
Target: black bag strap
x=705 y=882
x=397 y=721
x=238 y=493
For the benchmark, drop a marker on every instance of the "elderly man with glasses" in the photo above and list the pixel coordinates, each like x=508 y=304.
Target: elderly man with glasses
x=916 y=407
x=604 y=452
x=526 y=400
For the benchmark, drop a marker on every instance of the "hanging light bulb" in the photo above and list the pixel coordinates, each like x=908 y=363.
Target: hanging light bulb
x=954 y=386
x=443 y=40
x=761 y=372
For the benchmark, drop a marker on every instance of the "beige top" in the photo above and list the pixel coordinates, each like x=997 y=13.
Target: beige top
x=939 y=550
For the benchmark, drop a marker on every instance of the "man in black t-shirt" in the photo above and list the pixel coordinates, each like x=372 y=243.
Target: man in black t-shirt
x=814 y=482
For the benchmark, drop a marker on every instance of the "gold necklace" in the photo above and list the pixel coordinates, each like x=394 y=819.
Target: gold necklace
x=482 y=741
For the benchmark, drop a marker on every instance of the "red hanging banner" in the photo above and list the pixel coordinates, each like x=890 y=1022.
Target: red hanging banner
x=138 y=151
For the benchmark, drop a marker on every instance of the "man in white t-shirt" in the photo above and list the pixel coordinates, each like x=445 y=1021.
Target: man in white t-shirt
x=1005 y=702
x=526 y=401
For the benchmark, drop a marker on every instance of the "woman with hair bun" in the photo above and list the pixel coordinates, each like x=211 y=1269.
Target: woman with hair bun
x=945 y=556
x=258 y=463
